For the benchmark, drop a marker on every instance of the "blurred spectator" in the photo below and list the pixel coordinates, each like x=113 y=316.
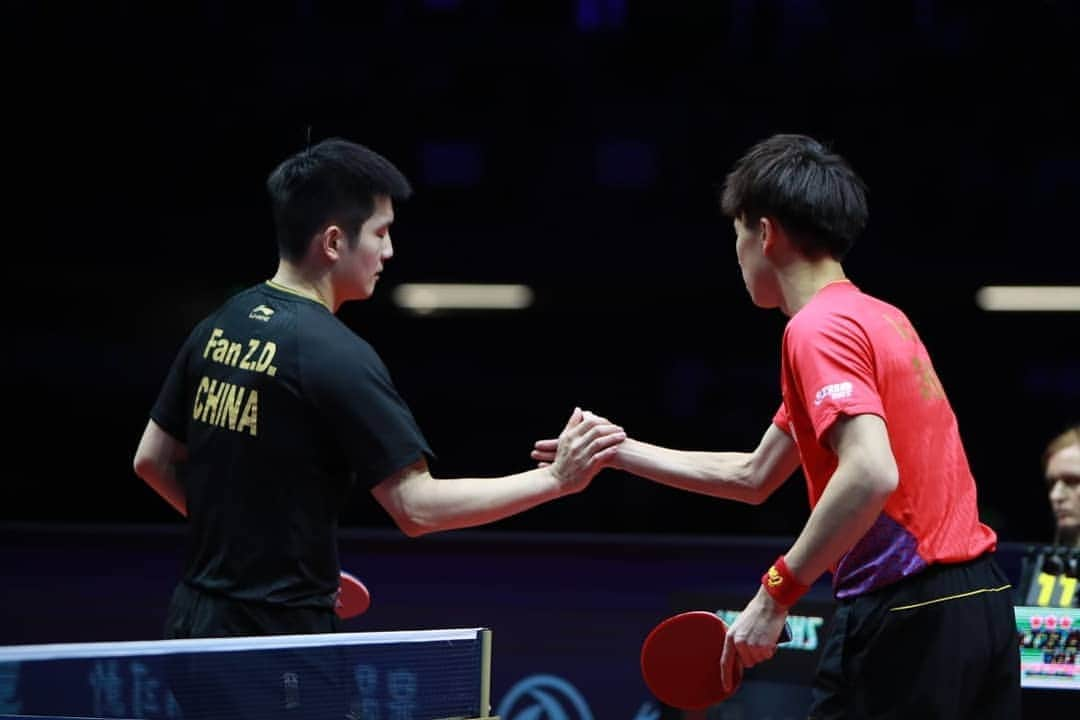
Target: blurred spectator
x=1061 y=467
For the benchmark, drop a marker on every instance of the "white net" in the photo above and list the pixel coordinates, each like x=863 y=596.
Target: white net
x=406 y=675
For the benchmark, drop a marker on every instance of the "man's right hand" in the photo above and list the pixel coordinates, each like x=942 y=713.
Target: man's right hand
x=584 y=447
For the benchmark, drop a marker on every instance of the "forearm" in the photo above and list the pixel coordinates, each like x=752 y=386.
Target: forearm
x=719 y=474
x=430 y=504
x=848 y=508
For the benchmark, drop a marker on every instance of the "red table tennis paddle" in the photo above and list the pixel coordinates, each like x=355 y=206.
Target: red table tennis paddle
x=353 y=597
x=680 y=660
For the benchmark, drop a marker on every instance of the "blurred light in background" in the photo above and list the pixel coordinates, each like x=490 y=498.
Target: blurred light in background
x=1029 y=298
x=425 y=298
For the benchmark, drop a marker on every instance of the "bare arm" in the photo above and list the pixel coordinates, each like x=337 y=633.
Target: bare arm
x=865 y=476
x=420 y=503
x=155 y=462
x=748 y=477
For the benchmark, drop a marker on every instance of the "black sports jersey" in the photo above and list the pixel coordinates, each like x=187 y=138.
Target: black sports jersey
x=282 y=407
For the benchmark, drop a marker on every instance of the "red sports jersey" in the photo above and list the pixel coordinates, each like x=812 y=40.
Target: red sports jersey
x=847 y=353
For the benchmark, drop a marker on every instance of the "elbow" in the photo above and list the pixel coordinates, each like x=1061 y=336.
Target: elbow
x=150 y=466
x=410 y=526
x=755 y=495
x=889 y=481
x=406 y=510
x=881 y=482
x=755 y=486
x=888 y=476
x=872 y=482
x=144 y=467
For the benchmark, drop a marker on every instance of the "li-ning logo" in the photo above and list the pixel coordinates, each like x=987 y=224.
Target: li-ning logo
x=775 y=578
x=836 y=391
x=261 y=312
x=544 y=697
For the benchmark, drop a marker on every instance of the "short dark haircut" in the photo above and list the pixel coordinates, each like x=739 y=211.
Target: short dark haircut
x=334 y=181
x=810 y=190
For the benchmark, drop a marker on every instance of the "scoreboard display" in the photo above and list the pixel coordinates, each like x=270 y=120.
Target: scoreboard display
x=1049 y=644
x=1048 y=621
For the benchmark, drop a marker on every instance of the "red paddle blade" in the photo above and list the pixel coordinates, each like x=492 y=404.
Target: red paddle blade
x=353 y=598
x=680 y=660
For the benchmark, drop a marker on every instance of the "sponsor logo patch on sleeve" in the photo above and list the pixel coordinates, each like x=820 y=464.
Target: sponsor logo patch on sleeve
x=834 y=391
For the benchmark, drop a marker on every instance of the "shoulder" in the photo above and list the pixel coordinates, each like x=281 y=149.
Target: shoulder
x=326 y=345
x=319 y=327
x=817 y=320
x=843 y=318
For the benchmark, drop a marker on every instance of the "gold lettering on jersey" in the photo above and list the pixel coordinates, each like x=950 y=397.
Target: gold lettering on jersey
x=249 y=419
x=229 y=406
x=902 y=327
x=246 y=363
x=929 y=385
x=267 y=354
x=257 y=358
x=226 y=405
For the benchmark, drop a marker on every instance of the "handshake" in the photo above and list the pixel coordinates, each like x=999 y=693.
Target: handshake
x=587 y=445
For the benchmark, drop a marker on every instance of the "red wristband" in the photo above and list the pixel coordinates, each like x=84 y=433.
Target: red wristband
x=782 y=585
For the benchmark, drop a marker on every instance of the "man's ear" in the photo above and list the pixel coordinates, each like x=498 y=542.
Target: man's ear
x=768 y=230
x=330 y=240
x=775 y=239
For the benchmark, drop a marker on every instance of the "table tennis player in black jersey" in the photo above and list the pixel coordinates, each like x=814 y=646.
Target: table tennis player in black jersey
x=273 y=409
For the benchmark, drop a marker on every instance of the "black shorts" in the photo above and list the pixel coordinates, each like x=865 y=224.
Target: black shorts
x=941 y=644
x=262 y=684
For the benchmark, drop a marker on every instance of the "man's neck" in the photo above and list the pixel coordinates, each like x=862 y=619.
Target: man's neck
x=802 y=280
x=293 y=278
x=1069 y=538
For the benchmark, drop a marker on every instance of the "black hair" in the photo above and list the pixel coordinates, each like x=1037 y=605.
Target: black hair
x=334 y=181
x=810 y=190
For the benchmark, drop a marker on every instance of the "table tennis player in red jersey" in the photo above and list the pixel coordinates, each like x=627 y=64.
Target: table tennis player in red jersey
x=924 y=626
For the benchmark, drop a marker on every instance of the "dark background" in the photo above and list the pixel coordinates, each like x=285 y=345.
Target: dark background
x=573 y=146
